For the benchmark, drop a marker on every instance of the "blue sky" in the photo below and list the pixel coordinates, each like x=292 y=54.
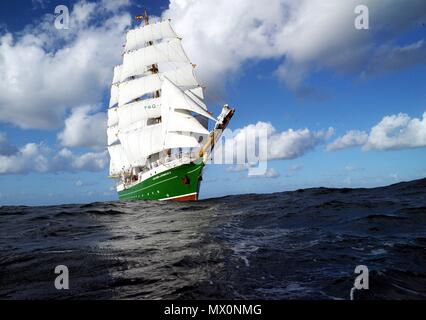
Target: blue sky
x=349 y=82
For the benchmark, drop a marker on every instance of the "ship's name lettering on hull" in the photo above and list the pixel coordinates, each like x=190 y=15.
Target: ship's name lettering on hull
x=162 y=175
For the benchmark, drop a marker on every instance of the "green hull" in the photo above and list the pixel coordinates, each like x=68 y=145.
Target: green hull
x=181 y=184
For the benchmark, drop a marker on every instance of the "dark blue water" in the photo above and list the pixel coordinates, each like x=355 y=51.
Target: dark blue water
x=293 y=245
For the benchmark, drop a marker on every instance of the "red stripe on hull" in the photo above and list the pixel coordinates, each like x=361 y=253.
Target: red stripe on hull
x=192 y=197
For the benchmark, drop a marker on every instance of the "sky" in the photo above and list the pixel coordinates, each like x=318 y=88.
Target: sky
x=343 y=107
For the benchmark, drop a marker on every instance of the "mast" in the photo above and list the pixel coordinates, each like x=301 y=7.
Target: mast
x=146 y=18
x=153 y=109
x=154 y=67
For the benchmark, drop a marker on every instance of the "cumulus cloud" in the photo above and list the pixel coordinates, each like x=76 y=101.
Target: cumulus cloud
x=269 y=173
x=304 y=35
x=393 y=132
x=46 y=71
x=83 y=128
x=292 y=144
x=397 y=132
x=264 y=143
x=352 y=138
x=41 y=159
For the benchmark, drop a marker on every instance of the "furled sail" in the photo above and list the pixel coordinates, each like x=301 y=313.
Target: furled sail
x=139 y=37
x=139 y=61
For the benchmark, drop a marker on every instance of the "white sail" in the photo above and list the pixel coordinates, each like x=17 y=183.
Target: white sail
x=141 y=143
x=117 y=74
x=140 y=126
x=197 y=94
x=175 y=99
x=203 y=121
x=182 y=77
x=185 y=123
x=176 y=140
x=139 y=111
x=112 y=117
x=112 y=133
x=133 y=89
x=139 y=61
x=138 y=38
x=178 y=123
x=118 y=160
x=114 y=96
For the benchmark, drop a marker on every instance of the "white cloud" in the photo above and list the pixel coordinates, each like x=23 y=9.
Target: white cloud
x=393 y=132
x=289 y=144
x=269 y=173
x=306 y=35
x=83 y=128
x=395 y=177
x=114 y=5
x=292 y=144
x=91 y=161
x=238 y=168
x=295 y=168
x=46 y=71
x=39 y=4
x=42 y=159
x=397 y=132
x=393 y=58
x=350 y=168
x=352 y=138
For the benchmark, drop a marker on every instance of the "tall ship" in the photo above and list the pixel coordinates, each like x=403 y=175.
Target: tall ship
x=158 y=123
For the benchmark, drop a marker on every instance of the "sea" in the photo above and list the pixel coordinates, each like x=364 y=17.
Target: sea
x=304 y=244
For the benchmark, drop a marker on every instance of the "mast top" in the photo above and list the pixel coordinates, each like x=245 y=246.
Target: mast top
x=145 y=17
